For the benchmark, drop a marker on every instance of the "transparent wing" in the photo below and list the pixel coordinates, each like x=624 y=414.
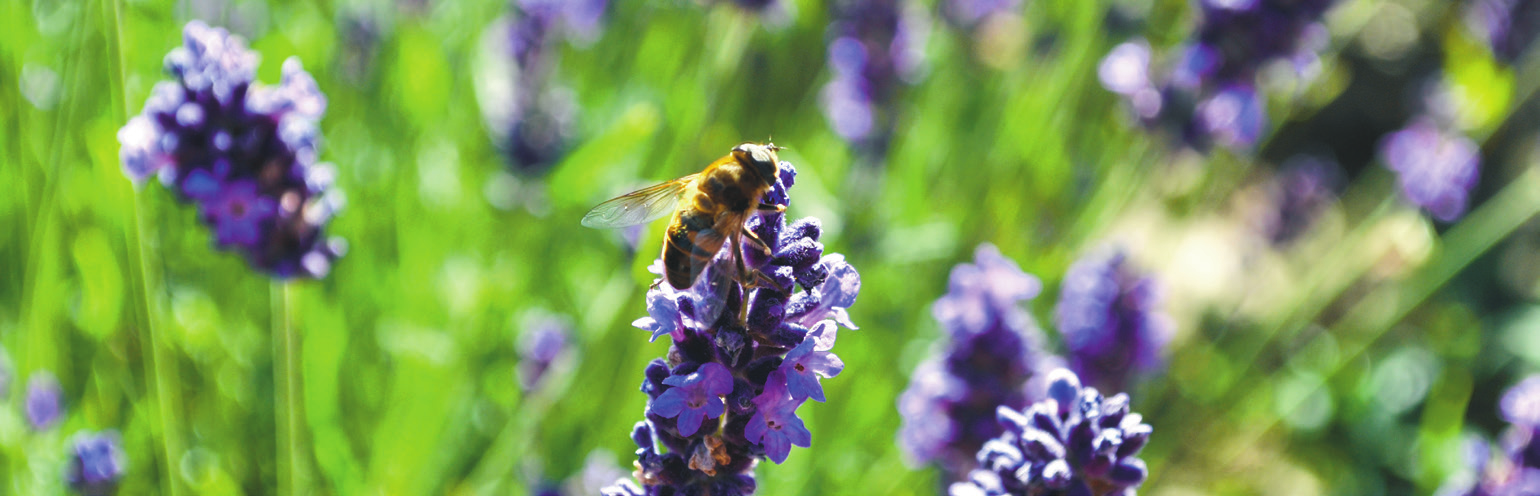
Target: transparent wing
x=638 y=206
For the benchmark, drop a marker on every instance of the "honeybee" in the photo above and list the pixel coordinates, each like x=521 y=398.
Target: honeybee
x=709 y=209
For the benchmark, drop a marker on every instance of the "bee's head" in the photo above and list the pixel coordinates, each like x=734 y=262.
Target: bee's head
x=761 y=159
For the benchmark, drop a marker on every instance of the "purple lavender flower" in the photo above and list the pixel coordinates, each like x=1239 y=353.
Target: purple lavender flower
x=1210 y=94
x=775 y=424
x=1436 y=168
x=96 y=463
x=243 y=152
x=544 y=340
x=694 y=397
x=874 y=50
x=1074 y=442
x=45 y=401
x=1509 y=26
x=750 y=373
x=810 y=360
x=1109 y=318
x=991 y=358
x=1303 y=188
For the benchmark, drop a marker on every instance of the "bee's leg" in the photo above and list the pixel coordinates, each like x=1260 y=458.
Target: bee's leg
x=766 y=207
x=758 y=243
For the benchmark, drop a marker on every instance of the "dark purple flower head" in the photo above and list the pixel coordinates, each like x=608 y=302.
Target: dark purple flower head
x=96 y=463
x=244 y=153
x=1301 y=191
x=873 y=50
x=1109 y=317
x=1074 y=442
x=1509 y=26
x=746 y=356
x=45 y=401
x=1209 y=94
x=990 y=358
x=1436 y=168
x=544 y=340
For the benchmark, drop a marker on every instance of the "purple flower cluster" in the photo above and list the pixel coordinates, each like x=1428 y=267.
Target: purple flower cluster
x=1436 y=168
x=1074 y=442
x=535 y=128
x=96 y=463
x=1210 y=94
x=1109 y=317
x=1517 y=471
x=743 y=359
x=874 y=50
x=992 y=358
x=1509 y=26
x=45 y=401
x=1301 y=191
x=243 y=152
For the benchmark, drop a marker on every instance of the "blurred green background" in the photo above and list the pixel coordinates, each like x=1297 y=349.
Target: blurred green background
x=1355 y=361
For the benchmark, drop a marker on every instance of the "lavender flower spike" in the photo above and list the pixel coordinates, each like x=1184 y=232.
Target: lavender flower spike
x=244 y=153
x=745 y=356
x=991 y=357
x=1075 y=442
x=1109 y=317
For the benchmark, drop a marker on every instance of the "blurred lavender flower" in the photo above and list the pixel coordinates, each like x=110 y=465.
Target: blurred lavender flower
x=1303 y=188
x=1210 y=94
x=991 y=358
x=969 y=13
x=544 y=340
x=1517 y=471
x=1509 y=26
x=726 y=396
x=244 y=153
x=1074 y=442
x=45 y=401
x=96 y=463
x=531 y=118
x=1436 y=168
x=874 y=50
x=1109 y=317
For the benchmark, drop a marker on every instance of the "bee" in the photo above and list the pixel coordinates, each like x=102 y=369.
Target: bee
x=709 y=209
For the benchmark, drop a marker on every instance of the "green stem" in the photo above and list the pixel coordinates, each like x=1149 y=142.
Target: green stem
x=158 y=354
x=292 y=472
x=287 y=388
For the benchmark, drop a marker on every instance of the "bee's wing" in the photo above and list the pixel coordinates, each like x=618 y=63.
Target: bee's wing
x=638 y=206
x=713 y=276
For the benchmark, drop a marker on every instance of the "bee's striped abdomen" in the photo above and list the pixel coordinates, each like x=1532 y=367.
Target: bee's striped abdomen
x=685 y=251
